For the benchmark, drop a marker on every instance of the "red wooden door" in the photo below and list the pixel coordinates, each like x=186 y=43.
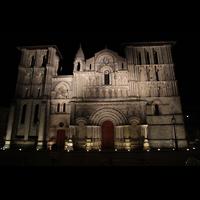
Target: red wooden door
x=61 y=138
x=107 y=135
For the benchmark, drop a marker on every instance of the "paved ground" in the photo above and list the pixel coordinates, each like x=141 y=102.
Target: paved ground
x=96 y=158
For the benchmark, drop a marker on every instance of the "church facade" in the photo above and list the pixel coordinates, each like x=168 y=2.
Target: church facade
x=110 y=102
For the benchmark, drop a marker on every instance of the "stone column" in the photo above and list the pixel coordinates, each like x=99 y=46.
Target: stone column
x=70 y=146
x=120 y=140
x=169 y=53
x=23 y=57
x=143 y=56
x=88 y=144
x=160 y=59
x=10 y=125
x=117 y=137
x=75 y=66
x=51 y=54
x=127 y=140
x=112 y=80
x=99 y=137
x=29 y=109
x=81 y=66
x=89 y=131
x=165 y=59
x=71 y=131
x=143 y=111
x=146 y=145
x=41 y=126
x=61 y=108
x=90 y=134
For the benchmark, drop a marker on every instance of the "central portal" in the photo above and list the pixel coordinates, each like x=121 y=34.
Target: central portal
x=61 y=138
x=107 y=135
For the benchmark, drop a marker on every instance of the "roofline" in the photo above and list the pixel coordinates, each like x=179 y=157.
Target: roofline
x=156 y=43
x=114 y=52
x=41 y=47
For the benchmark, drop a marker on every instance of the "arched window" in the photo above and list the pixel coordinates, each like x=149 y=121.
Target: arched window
x=139 y=59
x=36 y=114
x=58 y=108
x=44 y=61
x=157 y=110
x=107 y=77
x=32 y=61
x=122 y=65
x=23 y=114
x=38 y=92
x=90 y=66
x=155 y=57
x=64 y=107
x=78 y=66
x=148 y=58
x=157 y=76
x=26 y=95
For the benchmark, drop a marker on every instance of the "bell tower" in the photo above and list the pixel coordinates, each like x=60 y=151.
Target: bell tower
x=30 y=106
x=79 y=66
x=79 y=61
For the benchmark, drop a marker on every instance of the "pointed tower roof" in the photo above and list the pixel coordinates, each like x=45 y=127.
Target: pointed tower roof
x=80 y=55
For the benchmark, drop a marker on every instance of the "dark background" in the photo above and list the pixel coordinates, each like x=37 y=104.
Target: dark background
x=185 y=55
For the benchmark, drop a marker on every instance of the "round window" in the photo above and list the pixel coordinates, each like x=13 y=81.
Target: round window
x=106 y=72
x=61 y=124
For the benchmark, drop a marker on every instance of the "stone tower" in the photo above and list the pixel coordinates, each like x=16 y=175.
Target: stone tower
x=152 y=79
x=30 y=107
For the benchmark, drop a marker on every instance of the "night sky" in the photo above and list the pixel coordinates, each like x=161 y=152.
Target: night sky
x=185 y=55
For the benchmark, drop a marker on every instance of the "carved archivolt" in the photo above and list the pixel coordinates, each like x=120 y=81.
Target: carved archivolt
x=135 y=120
x=103 y=114
x=156 y=101
x=58 y=121
x=81 y=119
x=106 y=68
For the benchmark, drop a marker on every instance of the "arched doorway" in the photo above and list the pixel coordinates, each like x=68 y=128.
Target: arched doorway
x=61 y=138
x=107 y=135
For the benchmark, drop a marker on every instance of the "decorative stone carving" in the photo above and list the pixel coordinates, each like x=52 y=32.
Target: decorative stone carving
x=106 y=60
x=101 y=94
x=27 y=79
x=62 y=93
x=39 y=78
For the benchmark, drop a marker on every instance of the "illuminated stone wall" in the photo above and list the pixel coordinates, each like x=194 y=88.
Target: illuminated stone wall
x=29 y=113
x=138 y=94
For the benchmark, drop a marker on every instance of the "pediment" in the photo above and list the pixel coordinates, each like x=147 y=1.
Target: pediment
x=106 y=51
x=106 y=56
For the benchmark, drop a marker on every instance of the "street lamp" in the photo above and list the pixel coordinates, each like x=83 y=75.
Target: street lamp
x=174 y=123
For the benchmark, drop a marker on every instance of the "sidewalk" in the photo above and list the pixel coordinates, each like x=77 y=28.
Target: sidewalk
x=164 y=157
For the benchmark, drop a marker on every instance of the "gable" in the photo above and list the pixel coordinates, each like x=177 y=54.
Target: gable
x=106 y=51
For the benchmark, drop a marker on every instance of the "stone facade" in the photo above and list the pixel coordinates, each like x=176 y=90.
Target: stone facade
x=137 y=94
